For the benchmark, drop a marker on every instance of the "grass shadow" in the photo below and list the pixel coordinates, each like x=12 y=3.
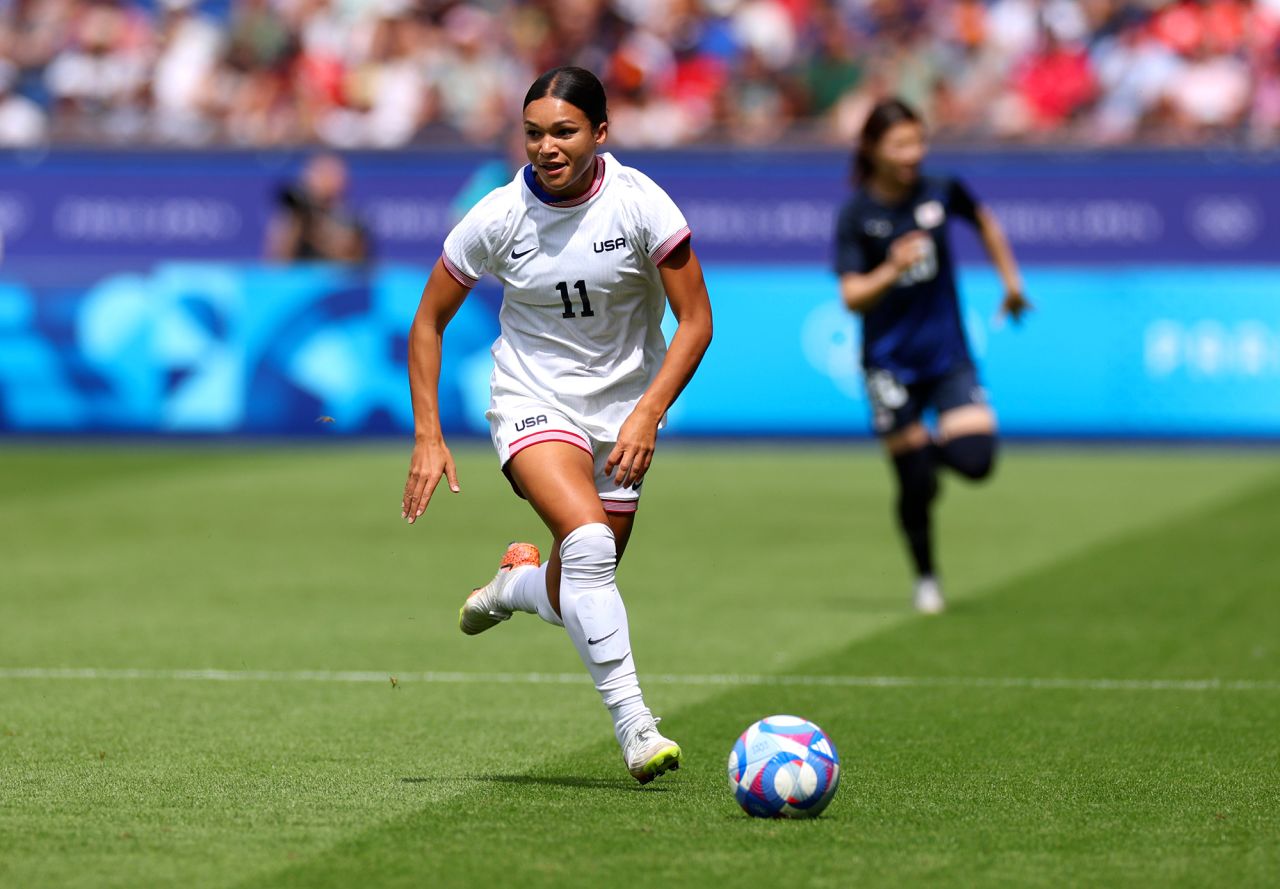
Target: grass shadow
x=625 y=785
x=885 y=606
x=877 y=605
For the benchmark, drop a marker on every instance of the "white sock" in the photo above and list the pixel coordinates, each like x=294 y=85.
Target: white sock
x=527 y=591
x=596 y=621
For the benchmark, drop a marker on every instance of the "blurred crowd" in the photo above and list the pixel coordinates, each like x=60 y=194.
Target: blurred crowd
x=392 y=73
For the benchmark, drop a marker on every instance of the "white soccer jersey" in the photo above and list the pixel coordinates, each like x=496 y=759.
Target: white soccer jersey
x=582 y=298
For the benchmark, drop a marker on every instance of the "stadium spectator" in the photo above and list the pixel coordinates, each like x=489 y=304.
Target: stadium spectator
x=1054 y=84
x=1133 y=76
x=381 y=99
x=1210 y=93
x=22 y=122
x=477 y=83
x=830 y=70
x=99 y=81
x=189 y=47
x=314 y=222
x=1264 y=117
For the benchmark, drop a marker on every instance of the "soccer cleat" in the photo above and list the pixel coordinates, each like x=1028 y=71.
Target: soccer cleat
x=929 y=596
x=483 y=608
x=648 y=754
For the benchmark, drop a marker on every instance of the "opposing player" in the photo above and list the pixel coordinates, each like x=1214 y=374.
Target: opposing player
x=589 y=252
x=894 y=261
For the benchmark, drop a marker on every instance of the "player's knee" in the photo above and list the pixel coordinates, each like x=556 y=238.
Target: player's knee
x=973 y=456
x=589 y=598
x=589 y=552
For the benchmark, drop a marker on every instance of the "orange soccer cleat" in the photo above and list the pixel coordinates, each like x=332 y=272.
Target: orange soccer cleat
x=483 y=608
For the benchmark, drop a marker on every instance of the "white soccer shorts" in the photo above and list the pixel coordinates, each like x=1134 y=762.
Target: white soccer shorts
x=517 y=425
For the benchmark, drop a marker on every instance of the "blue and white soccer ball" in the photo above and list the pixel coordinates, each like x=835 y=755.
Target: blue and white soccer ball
x=783 y=767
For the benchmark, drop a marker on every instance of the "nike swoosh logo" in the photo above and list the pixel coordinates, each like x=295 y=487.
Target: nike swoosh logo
x=602 y=638
x=515 y=255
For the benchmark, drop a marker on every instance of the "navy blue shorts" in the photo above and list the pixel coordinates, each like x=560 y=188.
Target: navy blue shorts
x=896 y=405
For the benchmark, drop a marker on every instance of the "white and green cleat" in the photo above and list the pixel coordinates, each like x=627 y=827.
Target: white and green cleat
x=483 y=608
x=648 y=754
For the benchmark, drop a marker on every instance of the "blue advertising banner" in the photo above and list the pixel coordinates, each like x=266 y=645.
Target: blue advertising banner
x=743 y=206
x=217 y=348
x=1137 y=352
x=214 y=348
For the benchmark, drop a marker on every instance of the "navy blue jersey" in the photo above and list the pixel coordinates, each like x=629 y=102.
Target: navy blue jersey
x=915 y=331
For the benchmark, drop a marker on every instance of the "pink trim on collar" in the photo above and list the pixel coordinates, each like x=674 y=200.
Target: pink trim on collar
x=541 y=194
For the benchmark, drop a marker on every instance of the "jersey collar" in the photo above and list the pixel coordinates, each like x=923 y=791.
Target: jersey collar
x=531 y=180
x=907 y=201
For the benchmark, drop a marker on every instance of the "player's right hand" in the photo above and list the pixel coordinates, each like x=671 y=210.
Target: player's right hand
x=431 y=462
x=1015 y=305
x=907 y=250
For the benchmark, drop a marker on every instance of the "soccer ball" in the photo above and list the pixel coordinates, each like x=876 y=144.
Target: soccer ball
x=783 y=767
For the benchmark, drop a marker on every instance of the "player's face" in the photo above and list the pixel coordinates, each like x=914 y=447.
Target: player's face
x=898 y=157
x=561 y=145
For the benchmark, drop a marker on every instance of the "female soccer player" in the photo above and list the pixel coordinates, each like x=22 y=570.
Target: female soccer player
x=894 y=262
x=588 y=251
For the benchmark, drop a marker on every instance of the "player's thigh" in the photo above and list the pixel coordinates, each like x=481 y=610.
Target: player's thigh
x=558 y=480
x=962 y=406
x=970 y=419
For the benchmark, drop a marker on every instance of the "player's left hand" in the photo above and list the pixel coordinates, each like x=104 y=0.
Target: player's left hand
x=1015 y=305
x=631 y=456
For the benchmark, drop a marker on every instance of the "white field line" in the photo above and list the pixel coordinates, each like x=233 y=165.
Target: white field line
x=703 y=679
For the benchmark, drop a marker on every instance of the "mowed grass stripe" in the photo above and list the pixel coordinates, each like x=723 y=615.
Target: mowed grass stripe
x=1191 y=597
x=690 y=679
x=961 y=784
x=56 y=468
x=109 y=784
x=297 y=558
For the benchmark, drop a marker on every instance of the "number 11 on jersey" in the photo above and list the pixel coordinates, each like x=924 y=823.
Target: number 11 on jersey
x=581 y=287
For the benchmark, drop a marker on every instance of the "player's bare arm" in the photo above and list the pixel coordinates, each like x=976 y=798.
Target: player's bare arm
x=431 y=460
x=861 y=291
x=1015 y=303
x=687 y=295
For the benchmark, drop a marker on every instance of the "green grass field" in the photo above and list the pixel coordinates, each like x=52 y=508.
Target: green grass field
x=778 y=564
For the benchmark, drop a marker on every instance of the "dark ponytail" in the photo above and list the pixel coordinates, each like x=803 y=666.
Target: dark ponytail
x=885 y=114
x=577 y=86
